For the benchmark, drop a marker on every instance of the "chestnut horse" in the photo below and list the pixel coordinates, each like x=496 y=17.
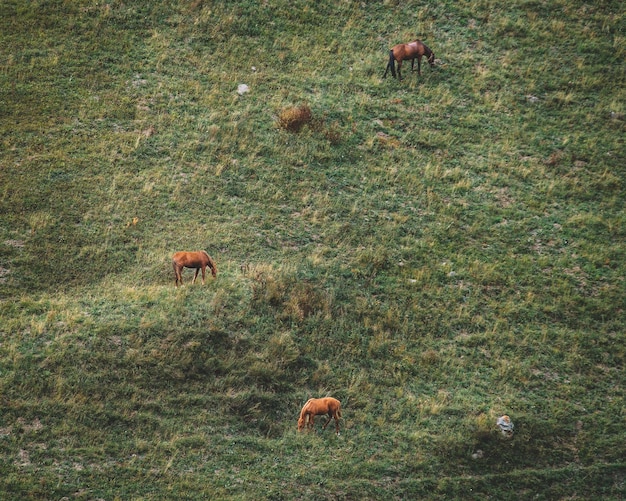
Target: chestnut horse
x=198 y=260
x=319 y=406
x=411 y=50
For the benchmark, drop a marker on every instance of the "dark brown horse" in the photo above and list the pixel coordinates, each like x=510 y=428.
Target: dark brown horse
x=317 y=407
x=412 y=50
x=198 y=260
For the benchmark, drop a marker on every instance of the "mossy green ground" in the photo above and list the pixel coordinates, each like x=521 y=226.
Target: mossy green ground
x=434 y=252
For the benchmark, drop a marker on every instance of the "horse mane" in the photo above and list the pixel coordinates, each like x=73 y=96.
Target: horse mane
x=306 y=406
x=211 y=262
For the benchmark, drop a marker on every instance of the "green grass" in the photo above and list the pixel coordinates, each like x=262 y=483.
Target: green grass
x=434 y=252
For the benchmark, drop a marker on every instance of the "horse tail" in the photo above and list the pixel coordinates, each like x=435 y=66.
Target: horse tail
x=392 y=63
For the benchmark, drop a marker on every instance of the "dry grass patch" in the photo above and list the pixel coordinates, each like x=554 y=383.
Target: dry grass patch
x=292 y=119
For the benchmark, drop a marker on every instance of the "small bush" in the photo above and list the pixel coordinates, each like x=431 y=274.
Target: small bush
x=305 y=300
x=429 y=358
x=267 y=288
x=294 y=118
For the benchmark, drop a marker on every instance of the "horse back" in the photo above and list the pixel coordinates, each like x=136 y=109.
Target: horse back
x=416 y=48
x=332 y=405
x=321 y=405
x=335 y=405
x=190 y=259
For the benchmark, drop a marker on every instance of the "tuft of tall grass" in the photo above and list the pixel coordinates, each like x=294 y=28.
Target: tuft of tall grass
x=292 y=119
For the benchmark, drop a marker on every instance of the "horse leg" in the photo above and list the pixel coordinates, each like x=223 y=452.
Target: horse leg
x=195 y=276
x=330 y=416
x=391 y=65
x=177 y=275
x=399 y=73
x=419 y=65
x=203 y=268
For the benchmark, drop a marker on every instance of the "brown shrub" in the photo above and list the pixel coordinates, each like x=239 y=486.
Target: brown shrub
x=430 y=357
x=292 y=119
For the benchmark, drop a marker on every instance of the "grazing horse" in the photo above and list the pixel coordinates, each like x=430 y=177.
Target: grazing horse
x=198 y=260
x=319 y=406
x=411 y=50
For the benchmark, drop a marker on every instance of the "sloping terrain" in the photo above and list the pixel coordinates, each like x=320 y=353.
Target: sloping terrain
x=434 y=252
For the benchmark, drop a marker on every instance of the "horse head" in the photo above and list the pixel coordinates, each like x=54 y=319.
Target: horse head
x=431 y=59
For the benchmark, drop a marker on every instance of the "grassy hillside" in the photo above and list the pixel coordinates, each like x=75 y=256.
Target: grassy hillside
x=434 y=252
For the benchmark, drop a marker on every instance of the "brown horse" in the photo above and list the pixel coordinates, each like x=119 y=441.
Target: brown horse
x=412 y=50
x=198 y=260
x=319 y=406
